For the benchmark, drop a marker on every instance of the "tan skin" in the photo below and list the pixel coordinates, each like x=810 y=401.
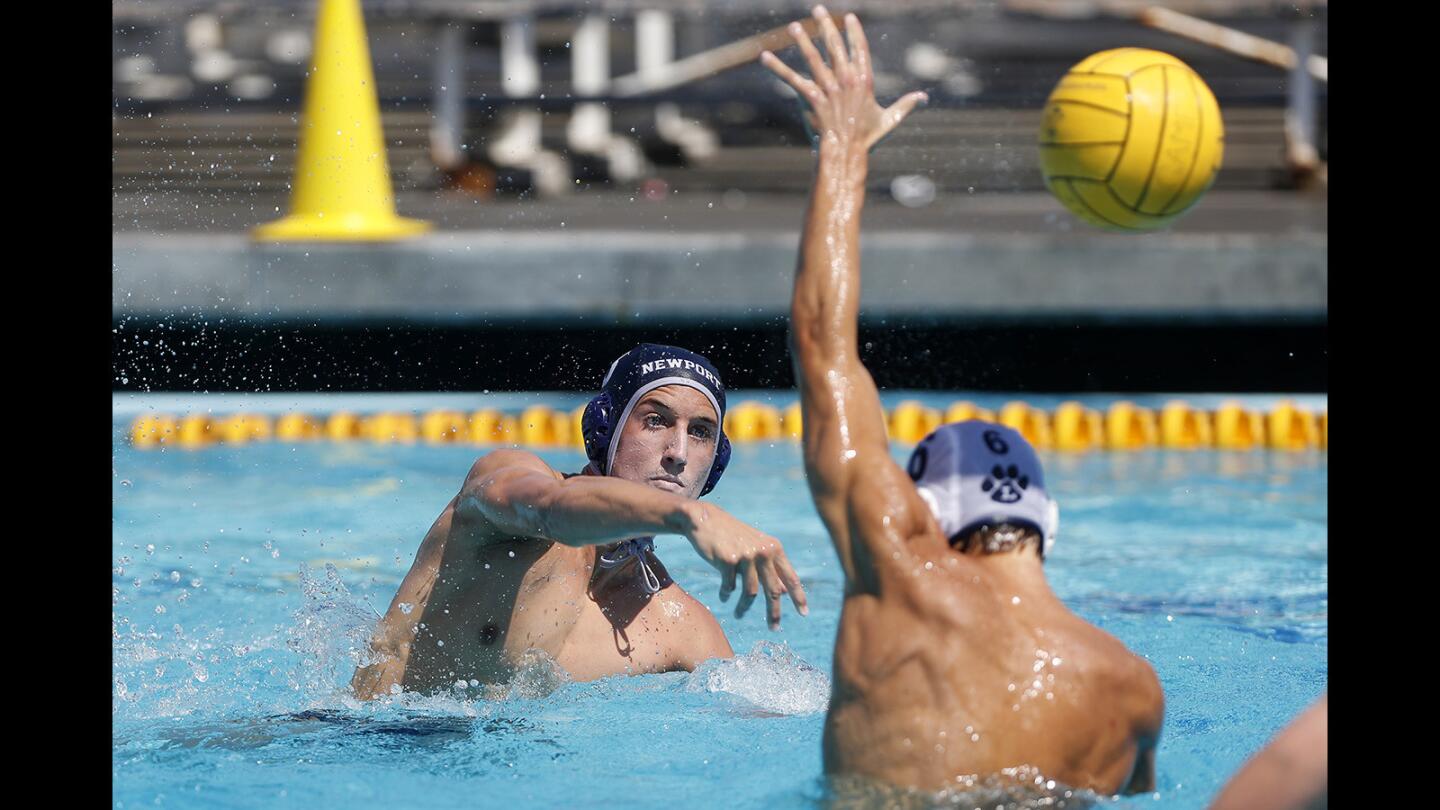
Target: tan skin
x=931 y=639
x=510 y=565
x=1291 y=772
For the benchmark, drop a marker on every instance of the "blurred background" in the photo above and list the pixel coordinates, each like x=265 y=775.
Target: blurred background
x=603 y=173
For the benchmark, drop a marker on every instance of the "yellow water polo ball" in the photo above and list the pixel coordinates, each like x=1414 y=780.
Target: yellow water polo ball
x=1130 y=139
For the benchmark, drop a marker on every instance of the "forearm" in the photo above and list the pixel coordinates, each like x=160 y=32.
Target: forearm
x=826 y=303
x=589 y=510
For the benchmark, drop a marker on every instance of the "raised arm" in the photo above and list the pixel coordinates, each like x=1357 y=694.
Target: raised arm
x=853 y=480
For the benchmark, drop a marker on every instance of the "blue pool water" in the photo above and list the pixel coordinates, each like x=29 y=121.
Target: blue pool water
x=243 y=578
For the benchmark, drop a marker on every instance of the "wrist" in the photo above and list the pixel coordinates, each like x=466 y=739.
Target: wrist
x=685 y=517
x=845 y=161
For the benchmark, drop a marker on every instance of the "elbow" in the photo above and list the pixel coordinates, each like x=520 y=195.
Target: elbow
x=512 y=506
x=811 y=343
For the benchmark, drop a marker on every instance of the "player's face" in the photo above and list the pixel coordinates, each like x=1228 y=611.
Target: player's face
x=669 y=441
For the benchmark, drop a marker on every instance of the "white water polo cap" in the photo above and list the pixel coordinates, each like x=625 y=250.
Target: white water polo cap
x=975 y=474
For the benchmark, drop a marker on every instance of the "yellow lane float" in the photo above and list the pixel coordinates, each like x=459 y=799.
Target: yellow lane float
x=1130 y=427
x=1077 y=428
x=1289 y=427
x=1238 y=428
x=343 y=426
x=196 y=431
x=752 y=421
x=562 y=427
x=390 y=427
x=910 y=422
x=297 y=427
x=537 y=427
x=790 y=422
x=964 y=411
x=489 y=426
x=154 y=429
x=1184 y=428
x=1072 y=427
x=1032 y=423
x=241 y=428
x=443 y=427
x=577 y=427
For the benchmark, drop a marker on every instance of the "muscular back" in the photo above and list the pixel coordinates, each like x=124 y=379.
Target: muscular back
x=941 y=674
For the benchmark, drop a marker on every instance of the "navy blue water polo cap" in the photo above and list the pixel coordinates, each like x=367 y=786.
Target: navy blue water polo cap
x=633 y=375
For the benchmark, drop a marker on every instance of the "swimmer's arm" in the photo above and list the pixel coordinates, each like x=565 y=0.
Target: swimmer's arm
x=390 y=641
x=843 y=425
x=512 y=493
x=1291 y=773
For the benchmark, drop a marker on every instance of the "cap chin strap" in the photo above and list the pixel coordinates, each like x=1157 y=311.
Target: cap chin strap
x=635 y=547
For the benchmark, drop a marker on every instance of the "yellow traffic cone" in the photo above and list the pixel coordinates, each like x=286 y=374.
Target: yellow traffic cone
x=342 y=179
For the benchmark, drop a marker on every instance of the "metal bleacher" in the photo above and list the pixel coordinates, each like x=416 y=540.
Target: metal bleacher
x=207 y=140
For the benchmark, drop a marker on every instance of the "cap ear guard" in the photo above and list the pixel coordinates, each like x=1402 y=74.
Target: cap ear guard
x=595 y=428
x=717 y=467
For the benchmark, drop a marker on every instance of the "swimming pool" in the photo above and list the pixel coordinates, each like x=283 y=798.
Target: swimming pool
x=243 y=576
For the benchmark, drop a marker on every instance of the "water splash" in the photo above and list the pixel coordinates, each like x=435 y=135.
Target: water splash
x=331 y=634
x=771 y=677
x=1019 y=788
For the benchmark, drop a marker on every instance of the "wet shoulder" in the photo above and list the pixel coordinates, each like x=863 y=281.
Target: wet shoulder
x=1125 y=674
x=696 y=631
x=503 y=458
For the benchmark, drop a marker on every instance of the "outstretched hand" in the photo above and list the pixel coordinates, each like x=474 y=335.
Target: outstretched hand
x=756 y=559
x=841 y=95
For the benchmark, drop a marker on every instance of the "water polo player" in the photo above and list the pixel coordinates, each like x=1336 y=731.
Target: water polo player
x=954 y=661
x=526 y=558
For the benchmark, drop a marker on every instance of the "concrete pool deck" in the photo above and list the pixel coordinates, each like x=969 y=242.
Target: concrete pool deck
x=608 y=258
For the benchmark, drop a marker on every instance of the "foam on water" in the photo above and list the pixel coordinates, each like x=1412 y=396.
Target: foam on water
x=1018 y=788
x=331 y=634
x=771 y=677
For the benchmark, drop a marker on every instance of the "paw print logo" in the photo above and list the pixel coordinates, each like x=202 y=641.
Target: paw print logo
x=1007 y=482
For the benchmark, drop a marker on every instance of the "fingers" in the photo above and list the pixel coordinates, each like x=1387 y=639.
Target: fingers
x=818 y=70
x=834 y=45
x=751 y=588
x=896 y=113
x=859 y=48
x=727 y=582
x=801 y=85
x=774 y=589
x=791 y=581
